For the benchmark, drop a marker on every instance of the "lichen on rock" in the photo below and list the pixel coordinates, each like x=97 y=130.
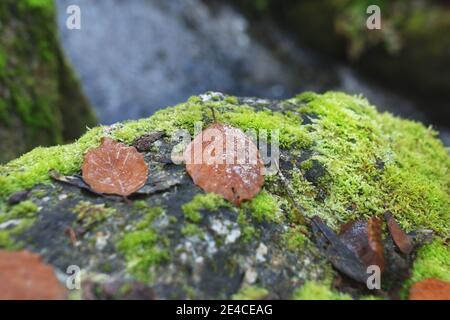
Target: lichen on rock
x=341 y=159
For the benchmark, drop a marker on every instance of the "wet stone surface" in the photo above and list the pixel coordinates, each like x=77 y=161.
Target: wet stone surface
x=214 y=261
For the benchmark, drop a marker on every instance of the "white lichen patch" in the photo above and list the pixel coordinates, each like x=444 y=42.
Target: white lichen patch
x=261 y=252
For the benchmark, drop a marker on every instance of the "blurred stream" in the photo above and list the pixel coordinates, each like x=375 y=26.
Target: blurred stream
x=135 y=57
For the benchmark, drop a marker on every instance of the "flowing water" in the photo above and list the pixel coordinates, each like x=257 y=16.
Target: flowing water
x=135 y=57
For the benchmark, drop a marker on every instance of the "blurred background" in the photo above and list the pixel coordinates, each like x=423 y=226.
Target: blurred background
x=137 y=56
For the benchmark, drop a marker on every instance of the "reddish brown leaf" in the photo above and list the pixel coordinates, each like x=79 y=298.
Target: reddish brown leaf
x=430 y=289
x=114 y=168
x=401 y=239
x=23 y=276
x=223 y=160
x=364 y=238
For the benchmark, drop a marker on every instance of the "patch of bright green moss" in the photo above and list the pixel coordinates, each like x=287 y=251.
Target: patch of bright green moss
x=89 y=214
x=143 y=247
x=208 y=201
x=312 y=290
x=24 y=212
x=264 y=207
x=291 y=133
x=250 y=293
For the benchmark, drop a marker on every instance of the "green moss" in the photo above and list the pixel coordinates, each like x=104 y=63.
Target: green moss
x=295 y=238
x=231 y=100
x=247 y=229
x=143 y=248
x=3 y=59
x=312 y=290
x=191 y=229
x=250 y=293
x=89 y=214
x=24 y=212
x=264 y=207
x=209 y=202
x=23 y=209
x=288 y=123
x=351 y=139
x=40 y=83
x=140 y=205
x=433 y=261
x=372 y=162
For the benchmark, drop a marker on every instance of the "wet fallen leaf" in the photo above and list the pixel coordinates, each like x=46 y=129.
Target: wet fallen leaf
x=430 y=289
x=114 y=168
x=223 y=160
x=337 y=252
x=401 y=239
x=364 y=238
x=23 y=276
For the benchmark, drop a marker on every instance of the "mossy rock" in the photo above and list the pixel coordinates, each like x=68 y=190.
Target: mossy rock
x=341 y=158
x=409 y=52
x=41 y=101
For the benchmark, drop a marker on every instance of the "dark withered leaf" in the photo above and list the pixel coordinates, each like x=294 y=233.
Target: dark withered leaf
x=337 y=252
x=364 y=238
x=403 y=242
x=236 y=173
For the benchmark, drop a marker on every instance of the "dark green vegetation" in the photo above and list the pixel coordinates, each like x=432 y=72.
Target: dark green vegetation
x=341 y=158
x=409 y=52
x=41 y=102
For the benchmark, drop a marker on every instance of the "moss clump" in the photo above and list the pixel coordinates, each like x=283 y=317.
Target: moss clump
x=209 y=201
x=89 y=214
x=351 y=140
x=24 y=213
x=264 y=207
x=312 y=290
x=250 y=293
x=143 y=247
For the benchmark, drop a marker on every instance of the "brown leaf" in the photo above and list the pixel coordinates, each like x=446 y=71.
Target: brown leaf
x=364 y=238
x=430 y=289
x=114 y=168
x=401 y=239
x=235 y=172
x=23 y=276
x=342 y=256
